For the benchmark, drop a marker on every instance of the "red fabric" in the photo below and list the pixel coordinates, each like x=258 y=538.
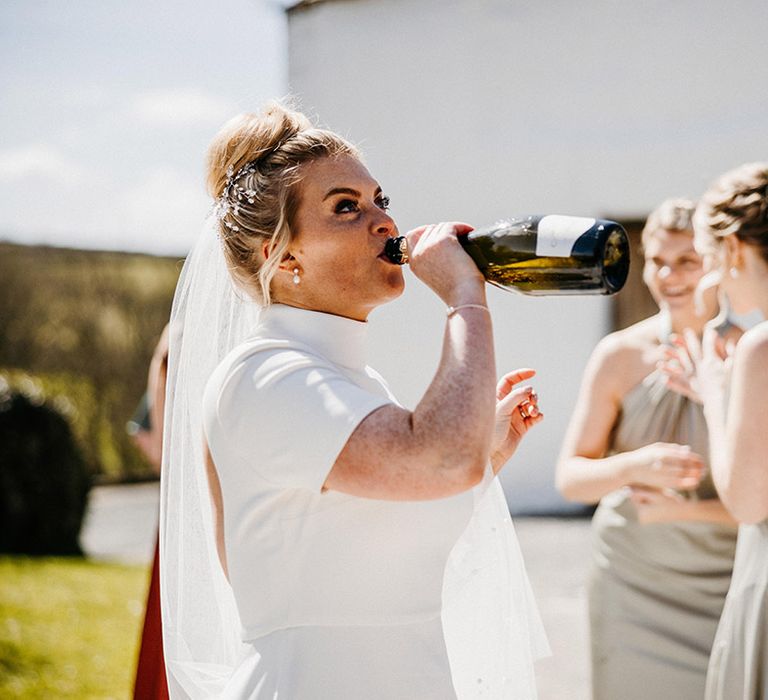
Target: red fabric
x=151 y=683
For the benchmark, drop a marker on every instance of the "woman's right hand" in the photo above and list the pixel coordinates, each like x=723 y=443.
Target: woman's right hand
x=443 y=446
x=437 y=258
x=664 y=465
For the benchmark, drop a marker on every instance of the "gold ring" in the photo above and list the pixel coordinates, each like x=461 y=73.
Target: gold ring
x=523 y=409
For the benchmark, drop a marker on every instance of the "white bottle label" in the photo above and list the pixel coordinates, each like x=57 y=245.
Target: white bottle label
x=556 y=234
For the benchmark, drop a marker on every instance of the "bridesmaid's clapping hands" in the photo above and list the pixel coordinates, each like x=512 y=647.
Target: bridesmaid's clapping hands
x=697 y=368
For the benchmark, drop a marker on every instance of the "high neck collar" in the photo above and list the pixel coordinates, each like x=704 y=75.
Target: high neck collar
x=340 y=340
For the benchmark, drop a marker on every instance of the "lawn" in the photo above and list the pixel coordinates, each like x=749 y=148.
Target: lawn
x=69 y=627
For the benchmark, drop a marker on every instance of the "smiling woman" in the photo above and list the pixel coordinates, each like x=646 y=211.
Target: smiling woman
x=663 y=542
x=319 y=540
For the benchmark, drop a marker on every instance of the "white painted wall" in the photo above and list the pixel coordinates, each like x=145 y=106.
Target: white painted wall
x=475 y=110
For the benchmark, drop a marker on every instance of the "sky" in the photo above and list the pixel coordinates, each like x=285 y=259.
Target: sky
x=108 y=108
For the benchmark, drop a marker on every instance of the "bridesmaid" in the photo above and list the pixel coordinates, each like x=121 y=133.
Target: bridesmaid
x=663 y=544
x=732 y=231
x=150 y=682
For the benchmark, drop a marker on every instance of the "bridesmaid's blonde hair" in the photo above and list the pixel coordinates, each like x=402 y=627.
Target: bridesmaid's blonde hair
x=671 y=215
x=254 y=165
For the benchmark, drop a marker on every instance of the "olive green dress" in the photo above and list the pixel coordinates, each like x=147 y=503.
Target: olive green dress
x=656 y=591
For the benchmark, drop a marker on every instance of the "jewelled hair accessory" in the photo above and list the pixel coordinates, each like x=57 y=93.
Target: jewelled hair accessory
x=233 y=195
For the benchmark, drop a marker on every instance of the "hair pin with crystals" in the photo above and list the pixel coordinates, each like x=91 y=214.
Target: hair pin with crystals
x=234 y=194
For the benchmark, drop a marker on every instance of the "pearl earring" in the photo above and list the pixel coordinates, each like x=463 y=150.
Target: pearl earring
x=733 y=272
x=296 y=278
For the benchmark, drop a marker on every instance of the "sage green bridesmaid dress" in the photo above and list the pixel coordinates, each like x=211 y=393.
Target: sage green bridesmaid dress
x=656 y=591
x=738 y=668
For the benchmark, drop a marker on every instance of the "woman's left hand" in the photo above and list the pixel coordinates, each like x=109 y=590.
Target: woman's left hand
x=517 y=410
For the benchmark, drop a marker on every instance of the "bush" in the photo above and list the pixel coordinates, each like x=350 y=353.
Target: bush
x=74 y=397
x=44 y=478
x=85 y=323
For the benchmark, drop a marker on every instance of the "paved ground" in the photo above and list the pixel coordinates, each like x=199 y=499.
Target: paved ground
x=557 y=555
x=121 y=525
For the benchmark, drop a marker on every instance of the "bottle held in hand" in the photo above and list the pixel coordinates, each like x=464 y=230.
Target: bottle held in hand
x=545 y=255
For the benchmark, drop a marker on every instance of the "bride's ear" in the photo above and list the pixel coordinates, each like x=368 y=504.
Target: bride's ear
x=288 y=263
x=266 y=251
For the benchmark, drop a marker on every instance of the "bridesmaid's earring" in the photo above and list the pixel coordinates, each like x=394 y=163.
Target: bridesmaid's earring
x=296 y=278
x=733 y=272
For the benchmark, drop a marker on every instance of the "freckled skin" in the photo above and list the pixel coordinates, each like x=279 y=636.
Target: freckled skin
x=443 y=446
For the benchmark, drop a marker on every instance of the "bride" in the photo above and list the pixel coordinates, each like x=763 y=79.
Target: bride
x=318 y=540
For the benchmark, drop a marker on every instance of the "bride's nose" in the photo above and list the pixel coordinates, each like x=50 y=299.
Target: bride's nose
x=384 y=225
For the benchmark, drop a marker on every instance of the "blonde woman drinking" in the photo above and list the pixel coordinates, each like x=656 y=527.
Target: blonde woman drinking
x=319 y=541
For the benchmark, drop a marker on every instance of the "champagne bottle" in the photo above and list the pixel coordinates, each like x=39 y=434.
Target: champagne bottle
x=545 y=255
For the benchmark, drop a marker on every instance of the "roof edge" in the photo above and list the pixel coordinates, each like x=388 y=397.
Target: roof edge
x=302 y=5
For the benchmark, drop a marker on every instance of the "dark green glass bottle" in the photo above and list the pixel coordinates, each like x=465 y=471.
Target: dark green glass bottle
x=545 y=255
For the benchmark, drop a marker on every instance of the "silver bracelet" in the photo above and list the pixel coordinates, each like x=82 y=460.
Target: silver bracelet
x=453 y=309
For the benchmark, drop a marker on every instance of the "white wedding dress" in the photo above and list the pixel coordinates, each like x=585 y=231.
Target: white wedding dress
x=345 y=598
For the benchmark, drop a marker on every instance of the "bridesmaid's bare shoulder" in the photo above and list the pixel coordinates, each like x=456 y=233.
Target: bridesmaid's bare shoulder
x=624 y=358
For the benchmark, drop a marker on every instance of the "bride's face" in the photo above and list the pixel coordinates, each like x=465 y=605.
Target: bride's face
x=340 y=228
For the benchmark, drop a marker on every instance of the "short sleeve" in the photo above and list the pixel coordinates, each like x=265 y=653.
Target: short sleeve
x=286 y=414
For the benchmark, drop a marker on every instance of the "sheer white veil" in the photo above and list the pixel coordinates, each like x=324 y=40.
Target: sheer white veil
x=492 y=629
x=493 y=632
x=201 y=629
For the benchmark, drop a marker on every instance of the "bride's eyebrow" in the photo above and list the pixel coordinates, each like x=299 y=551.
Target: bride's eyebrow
x=348 y=190
x=341 y=190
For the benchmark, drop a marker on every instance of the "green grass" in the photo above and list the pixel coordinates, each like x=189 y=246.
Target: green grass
x=69 y=628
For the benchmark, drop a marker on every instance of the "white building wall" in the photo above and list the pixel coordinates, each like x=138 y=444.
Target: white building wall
x=479 y=109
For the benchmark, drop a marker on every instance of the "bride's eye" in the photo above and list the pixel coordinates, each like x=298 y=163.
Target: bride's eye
x=383 y=202
x=345 y=206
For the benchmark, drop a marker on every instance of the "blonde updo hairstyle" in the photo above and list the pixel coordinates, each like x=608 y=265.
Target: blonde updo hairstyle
x=671 y=215
x=259 y=156
x=736 y=204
